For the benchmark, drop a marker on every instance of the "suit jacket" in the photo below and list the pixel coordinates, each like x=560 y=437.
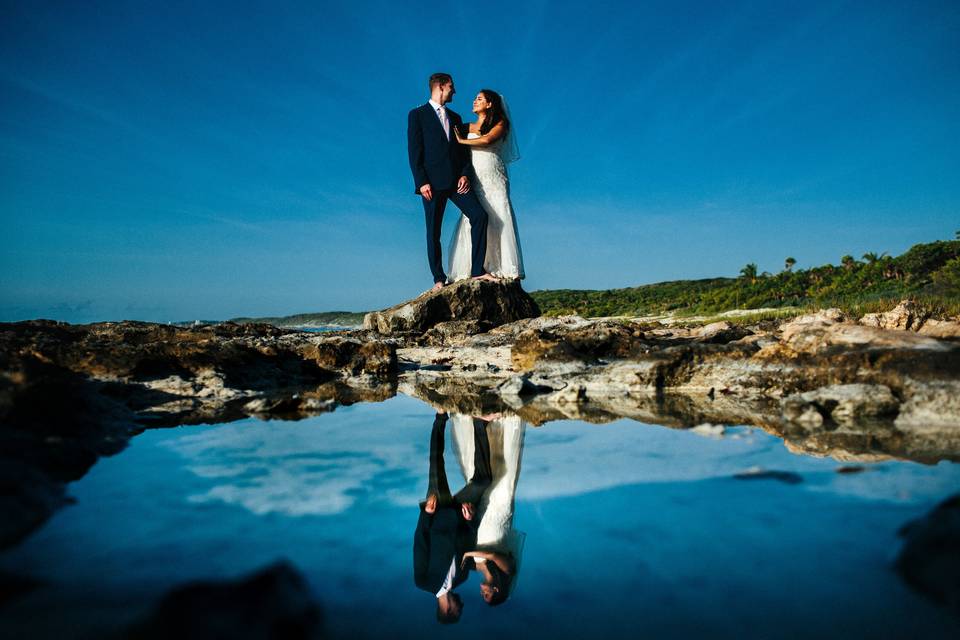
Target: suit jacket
x=434 y=160
x=441 y=537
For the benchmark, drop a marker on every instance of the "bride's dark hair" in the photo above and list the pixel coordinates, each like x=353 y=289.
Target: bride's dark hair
x=496 y=113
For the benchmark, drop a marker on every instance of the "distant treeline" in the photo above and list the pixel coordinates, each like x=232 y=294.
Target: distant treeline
x=322 y=319
x=929 y=273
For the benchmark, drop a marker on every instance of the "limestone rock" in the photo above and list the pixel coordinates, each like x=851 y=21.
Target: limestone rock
x=721 y=332
x=599 y=340
x=495 y=303
x=906 y=316
x=845 y=404
x=940 y=329
x=909 y=316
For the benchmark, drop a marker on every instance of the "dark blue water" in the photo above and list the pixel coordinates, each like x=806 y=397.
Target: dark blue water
x=630 y=529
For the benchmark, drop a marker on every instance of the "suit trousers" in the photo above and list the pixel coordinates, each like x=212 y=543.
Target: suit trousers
x=475 y=213
x=482 y=474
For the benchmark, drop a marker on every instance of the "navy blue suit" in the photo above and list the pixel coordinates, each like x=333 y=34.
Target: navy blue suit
x=440 y=162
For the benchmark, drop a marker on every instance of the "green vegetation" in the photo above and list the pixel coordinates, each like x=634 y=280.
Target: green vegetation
x=326 y=318
x=927 y=273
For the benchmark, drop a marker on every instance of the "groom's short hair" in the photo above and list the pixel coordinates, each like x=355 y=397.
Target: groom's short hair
x=440 y=79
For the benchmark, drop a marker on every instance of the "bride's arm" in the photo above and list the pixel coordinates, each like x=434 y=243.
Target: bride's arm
x=497 y=132
x=505 y=563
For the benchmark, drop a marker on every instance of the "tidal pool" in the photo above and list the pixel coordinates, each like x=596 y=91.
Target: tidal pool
x=627 y=530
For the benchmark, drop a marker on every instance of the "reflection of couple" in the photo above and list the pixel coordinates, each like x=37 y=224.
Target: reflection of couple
x=445 y=156
x=473 y=529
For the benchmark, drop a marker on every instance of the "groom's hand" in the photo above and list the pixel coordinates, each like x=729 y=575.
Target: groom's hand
x=426 y=192
x=463 y=185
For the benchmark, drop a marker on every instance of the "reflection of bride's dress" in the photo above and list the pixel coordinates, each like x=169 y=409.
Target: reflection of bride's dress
x=492 y=187
x=495 y=532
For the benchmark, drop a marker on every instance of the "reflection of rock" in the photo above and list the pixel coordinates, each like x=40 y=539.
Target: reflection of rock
x=827 y=385
x=475 y=304
x=71 y=393
x=272 y=603
x=756 y=473
x=841 y=403
x=930 y=558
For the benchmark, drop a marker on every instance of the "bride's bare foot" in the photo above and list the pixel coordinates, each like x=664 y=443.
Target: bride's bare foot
x=488 y=277
x=467 y=510
x=431 y=504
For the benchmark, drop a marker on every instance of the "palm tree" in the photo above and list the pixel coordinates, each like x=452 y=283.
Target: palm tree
x=749 y=272
x=788 y=264
x=848 y=262
x=871 y=257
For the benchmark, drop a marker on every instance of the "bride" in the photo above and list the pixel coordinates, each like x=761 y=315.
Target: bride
x=493 y=145
x=499 y=544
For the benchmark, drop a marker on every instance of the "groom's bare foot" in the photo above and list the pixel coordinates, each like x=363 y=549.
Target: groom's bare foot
x=431 y=504
x=436 y=286
x=488 y=277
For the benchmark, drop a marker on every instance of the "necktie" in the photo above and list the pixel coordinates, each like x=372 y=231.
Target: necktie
x=443 y=121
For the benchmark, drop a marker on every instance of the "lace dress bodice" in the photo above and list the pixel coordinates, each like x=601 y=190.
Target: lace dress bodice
x=488 y=166
x=492 y=186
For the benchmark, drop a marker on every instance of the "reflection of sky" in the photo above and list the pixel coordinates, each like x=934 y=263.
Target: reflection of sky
x=308 y=468
x=631 y=529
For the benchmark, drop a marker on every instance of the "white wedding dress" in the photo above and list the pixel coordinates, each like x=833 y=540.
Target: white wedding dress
x=492 y=186
x=495 y=531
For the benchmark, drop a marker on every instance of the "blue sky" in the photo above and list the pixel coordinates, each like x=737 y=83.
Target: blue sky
x=171 y=161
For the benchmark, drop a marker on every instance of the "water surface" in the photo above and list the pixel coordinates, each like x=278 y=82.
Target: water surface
x=631 y=529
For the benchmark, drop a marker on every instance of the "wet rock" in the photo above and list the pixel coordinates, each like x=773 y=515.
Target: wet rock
x=756 y=473
x=274 y=603
x=495 y=303
x=930 y=559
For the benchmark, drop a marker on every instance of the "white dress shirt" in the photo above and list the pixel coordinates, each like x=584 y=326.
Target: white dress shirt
x=448 y=581
x=441 y=112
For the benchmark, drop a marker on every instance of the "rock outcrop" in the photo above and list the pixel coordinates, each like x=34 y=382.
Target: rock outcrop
x=826 y=384
x=909 y=316
x=466 y=307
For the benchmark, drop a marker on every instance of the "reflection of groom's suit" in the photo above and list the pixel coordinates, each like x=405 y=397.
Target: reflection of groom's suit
x=444 y=536
x=437 y=159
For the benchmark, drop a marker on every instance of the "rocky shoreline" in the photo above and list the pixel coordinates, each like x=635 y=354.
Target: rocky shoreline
x=854 y=388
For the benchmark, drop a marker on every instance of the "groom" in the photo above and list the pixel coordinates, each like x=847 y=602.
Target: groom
x=440 y=166
x=447 y=527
